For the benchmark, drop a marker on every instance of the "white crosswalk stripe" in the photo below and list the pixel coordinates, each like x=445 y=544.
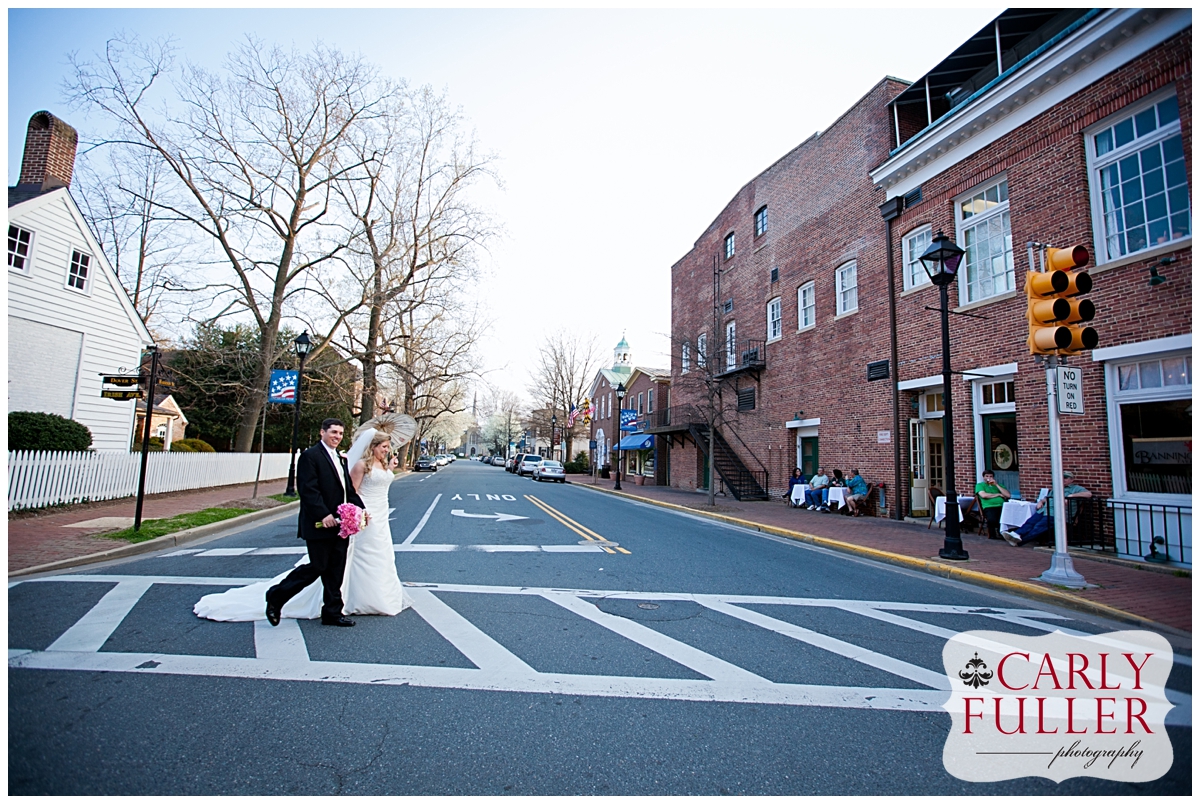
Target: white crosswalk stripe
x=281 y=652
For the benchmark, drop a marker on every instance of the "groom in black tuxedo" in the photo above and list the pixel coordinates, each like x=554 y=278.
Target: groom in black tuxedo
x=323 y=482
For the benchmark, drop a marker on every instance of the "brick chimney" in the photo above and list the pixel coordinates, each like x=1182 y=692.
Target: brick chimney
x=49 y=157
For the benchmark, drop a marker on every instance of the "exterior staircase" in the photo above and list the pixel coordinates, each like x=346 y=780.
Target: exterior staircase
x=744 y=483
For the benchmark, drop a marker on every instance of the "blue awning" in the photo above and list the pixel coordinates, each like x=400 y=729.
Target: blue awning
x=636 y=442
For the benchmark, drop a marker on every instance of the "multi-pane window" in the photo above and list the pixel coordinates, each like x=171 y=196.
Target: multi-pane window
x=729 y=246
x=80 y=266
x=650 y=401
x=731 y=345
x=1147 y=374
x=701 y=349
x=806 y=301
x=685 y=358
x=760 y=222
x=915 y=244
x=641 y=403
x=774 y=319
x=985 y=232
x=847 y=288
x=19 y=242
x=1142 y=181
x=999 y=393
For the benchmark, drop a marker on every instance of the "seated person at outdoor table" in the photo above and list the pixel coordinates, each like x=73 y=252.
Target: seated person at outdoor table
x=991 y=498
x=796 y=479
x=836 y=482
x=818 y=491
x=1038 y=525
x=858 y=492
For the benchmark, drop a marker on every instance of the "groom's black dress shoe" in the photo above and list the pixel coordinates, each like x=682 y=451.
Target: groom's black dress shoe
x=343 y=622
x=272 y=614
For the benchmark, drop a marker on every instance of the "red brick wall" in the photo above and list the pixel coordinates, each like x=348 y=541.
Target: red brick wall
x=49 y=151
x=823 y=211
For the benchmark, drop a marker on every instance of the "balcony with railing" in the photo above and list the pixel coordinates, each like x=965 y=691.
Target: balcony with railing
x=748 y=356
x=675 y=419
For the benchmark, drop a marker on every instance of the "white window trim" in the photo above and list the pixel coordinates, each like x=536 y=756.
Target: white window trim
x=990 y=373
x=1094 y=163
x=800 y=327
x=28 y=269
x=905 y=255
x=731 y=356
x=959 y=239
x=778 y=300
x=837 y=273
x=702 y=353
x=685 y=358
x=979 y=410
x=730 y=246
x=86 y=290
x=1171 y=344
x=1114 y=398
x=930 y=415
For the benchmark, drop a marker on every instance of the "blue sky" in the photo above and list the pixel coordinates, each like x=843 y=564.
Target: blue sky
x=621 y=133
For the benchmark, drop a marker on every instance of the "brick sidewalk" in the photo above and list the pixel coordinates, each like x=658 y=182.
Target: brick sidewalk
x=1159 y=596
x=36 y=540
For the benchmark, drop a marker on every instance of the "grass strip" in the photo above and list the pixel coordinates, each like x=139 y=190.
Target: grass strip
x=153 y=528
x=283 y=498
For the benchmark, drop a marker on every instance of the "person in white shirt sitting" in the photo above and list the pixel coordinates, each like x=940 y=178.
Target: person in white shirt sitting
x=818 y=491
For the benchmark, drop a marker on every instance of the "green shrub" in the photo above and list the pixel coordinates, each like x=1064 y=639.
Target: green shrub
x=46 y=431
x=156 y=444
x=192 y=445
x=579 y=466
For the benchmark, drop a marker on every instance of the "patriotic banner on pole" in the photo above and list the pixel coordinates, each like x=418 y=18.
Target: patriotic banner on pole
x=571 y=416
x=283 y=386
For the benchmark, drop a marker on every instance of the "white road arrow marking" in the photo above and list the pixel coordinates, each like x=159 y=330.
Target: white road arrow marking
x=497 y=516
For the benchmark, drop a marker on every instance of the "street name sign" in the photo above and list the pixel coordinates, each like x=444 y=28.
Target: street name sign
x=112 y=393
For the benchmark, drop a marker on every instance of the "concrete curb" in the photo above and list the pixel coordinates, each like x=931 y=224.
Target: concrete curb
x=160 y=542
x=938 y=568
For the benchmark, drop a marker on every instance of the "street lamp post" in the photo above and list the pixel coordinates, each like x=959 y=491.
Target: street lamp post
x=303 y=346
x=941 y=261
x=553 y=424
x=620 y=406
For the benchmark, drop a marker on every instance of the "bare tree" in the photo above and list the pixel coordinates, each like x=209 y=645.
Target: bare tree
x=566 y=365
x=416 y=230
x=257 y=151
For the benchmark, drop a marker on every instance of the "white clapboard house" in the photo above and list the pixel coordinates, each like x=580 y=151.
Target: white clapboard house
x=69 y=319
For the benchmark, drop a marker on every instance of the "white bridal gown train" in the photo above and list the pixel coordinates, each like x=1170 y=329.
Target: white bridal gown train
x=370 y=585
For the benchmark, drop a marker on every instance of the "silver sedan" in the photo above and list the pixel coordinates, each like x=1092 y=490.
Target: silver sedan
x=549 y=470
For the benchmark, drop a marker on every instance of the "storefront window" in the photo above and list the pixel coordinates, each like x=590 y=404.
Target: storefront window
x=1158 y=445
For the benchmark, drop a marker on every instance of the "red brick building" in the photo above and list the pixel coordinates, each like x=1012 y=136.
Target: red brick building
x=1055 y=127
x=646 y=391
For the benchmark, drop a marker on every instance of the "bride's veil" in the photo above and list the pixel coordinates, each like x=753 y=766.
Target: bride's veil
x=359 y=448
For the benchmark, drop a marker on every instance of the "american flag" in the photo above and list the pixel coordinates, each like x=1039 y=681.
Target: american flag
x=283 y=386
x=571 y=416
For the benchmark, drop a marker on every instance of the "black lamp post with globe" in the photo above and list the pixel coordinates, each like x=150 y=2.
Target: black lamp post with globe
x=941 y=261
x=304 y=346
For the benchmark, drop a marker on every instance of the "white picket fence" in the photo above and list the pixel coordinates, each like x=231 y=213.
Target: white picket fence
x=37 y=479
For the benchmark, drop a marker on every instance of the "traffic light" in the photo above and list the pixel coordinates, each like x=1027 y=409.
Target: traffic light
x=1054 y=313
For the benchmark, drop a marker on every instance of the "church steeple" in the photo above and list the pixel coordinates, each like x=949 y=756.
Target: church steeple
x=622 y=359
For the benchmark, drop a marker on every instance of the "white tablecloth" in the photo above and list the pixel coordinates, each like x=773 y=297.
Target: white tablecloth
x=798 y=493
x=964 y=502
x=838 y=494
x=1014 y=514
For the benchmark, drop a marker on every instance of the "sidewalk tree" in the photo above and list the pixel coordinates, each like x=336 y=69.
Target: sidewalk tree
x=415 y=231
x=566 y=365
x=255 y=151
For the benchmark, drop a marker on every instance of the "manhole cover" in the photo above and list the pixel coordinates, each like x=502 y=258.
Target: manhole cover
x=647 y=605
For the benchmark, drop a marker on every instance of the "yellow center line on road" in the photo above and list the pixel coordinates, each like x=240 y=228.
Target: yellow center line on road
x=582 y=530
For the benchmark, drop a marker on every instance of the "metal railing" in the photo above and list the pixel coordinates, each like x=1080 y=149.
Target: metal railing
x=1158 y=533
x=679 y=416
x=748 y=354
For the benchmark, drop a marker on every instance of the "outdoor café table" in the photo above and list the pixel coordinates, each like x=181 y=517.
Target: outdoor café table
x=1014 y=514
x=798 y=493
x=838 y=494
x=964 y=502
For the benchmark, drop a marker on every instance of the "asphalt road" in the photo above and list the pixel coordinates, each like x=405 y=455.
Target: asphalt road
x=562 y=641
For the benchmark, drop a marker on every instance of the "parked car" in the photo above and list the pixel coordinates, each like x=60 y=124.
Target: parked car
x=525 y=466
x=510 y=464
x=547 y=469
x=497 y=460
x=425 y=464
x=442 y=460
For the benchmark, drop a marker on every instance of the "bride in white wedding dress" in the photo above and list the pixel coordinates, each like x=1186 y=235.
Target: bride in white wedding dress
x=370 y=584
